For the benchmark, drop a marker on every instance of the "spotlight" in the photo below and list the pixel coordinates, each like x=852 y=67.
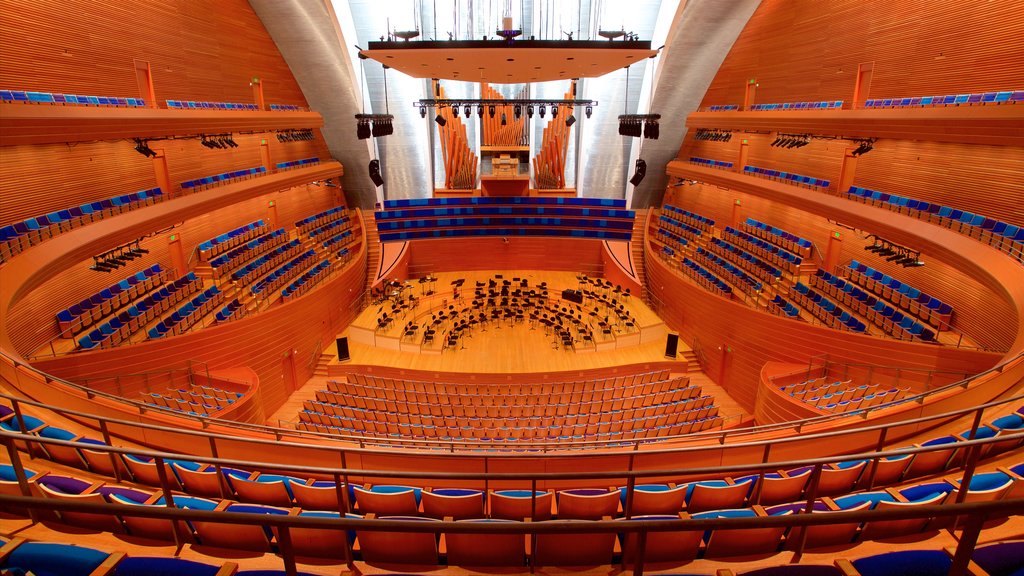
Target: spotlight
x=517 y=111
x=490 y=111
x=143 y=148
x=570 y=120
x=480 y=110
x=554 y=110
x=895 y=256
x=541 y=110
x=423 y=111
x=589 y=111
x=504 y=121
x=378 y=128
x=651 y=129
x=440 y=120
x=363 y=130
x=529 y=110
x=467 y=110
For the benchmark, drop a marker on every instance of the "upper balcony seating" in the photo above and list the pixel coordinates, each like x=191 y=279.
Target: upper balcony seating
x=691 y=218
x=286 y=108
x=282 y=274
x=514 y=200
x=332 y=227
x=722 y=107
x=671 y=238
x=717 y=263
x=794 y=178
x=297 y=163
x=195 y=400
x=230 y=312
x=233 y=258
x=20 y=235
x=706 y=279
x=73 y=99
x=759 y=267
x=927 y=308
x=826 y=310
x=316 y=220
x=1007 y=97
x=193 y=105
x=191 y=312
x=230 y=239
x=224 y=177
x=711 y=163
x=780 y=257
x=77 y=317
x=121 y=327
x=779 y=237
x=829 y=105
x=339 y=237
x=877 y=311
x=683 y=229
x=655 y=381
x=1001 y=235
x=304 y=283
x=260 y=265
x=781 y=307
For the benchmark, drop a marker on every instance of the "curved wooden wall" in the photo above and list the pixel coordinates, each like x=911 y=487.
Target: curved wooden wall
x=519 y=253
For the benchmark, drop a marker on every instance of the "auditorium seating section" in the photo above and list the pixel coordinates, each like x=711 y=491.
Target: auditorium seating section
x=224 y=242
x=996 y=233
x=307 y=281
x=18 y=236
x=824 y=309
x=723 y=107
x=711 y=163
x=78 y=317
x=1005 y=97
x=297 y=163
x=705 y=278
x=691 y=218
x=189 y=314
x=830 y=105
x=223 y=177
x=227 y=262
x=787 y=176
x=194 y=105
x=195 y=400
x=726 y=269
x=286 y=108
x=893 y=482
x=843 y=395
x=72 y=99
x=790 y=242
x=923 y=306
x=767 y=250
x=504 y=216
x=782 y=307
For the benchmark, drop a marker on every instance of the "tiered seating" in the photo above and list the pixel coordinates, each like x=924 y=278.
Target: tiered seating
x=787 y=176
x=282 y=274
x=780 y=257
x=305 y=283
x=74 y=99
x=332 y=242
x=710 y=163
x=194 y=105
x=722 y=107
x=504 y=216
x=826 y=310
x=722 y=266
x=679 y=228
x=824 y=105
x=78 y=317
x=779 y=237
x=20 y=235
x=671 y=238
x=233 y=258
x=1007 y=97
x=285 y=108
x=927 y=308
x=260 y=265
x=843 y=395
x=996 y=233
x=232 y=311
x=758 y=267
x=706 y=279
x=187 y=315
x=877 y=311
x=691 y=218
x=194 y=400
x=297 y=163
x=224 y=177
x=781 y=307
x=316 y=220
x=230 y=239
x=122 y=326
x=332 y=227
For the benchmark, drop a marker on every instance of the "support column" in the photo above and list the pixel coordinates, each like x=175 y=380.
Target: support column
x=177 y=251
x=863 y=87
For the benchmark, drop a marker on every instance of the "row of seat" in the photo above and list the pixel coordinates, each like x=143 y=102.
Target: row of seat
x=230 y=312
x=122 y=326
x=236 y=257
x=784 y=308
x=260 y=265
x=538 y=221
x=711 y=163
x=762 y=269
x=18 y=236
x=692 y=218
x=282 y=273
x=344 y=238
x=1002 y=235
x=815 y=388
x=228 y=240
x=924 y=306
x=505 y=232
x=333 y=226
x=776 y=255
x=722 y=107
x=191 y=312
x=670 y=237
x=826 y=310
x=506 y=200
x=823 y=105
x=298 y=163
x=877 y=311
x=705 y=278
x=198 y=105
x=795 y=178
x=683 y=229
x=657 y=380
x=320 y=218
x=76 y=99
x=719 y=265
x=286 y=108
x=780 y=237
x=77 y=317
x=307 y=281
x=191 y=407
x=223 y=177
x=1009 y=96
x=505 y=210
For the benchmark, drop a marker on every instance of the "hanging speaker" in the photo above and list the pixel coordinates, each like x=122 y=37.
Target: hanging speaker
x=343 y=349
x=671 y=345
x=641 y=171
x=378 y=180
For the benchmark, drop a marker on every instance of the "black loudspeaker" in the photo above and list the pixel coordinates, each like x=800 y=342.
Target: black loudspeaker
x=671 y=345
x=378 y=180
x=641 y=171
x=343 y=349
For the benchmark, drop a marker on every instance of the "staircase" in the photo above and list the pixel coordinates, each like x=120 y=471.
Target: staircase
x=692 y=363
x=636 y=247
x=372 y=250
x=321 y=366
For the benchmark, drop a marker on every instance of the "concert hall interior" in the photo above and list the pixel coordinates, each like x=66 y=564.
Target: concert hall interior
x=512 y=287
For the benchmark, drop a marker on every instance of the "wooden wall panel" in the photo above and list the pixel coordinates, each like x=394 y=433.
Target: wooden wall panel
x=197 y=50
x=803 y=50
x=519 y=253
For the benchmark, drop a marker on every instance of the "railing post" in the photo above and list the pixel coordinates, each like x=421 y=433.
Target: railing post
x=812 y=495
x=533 y=498
x=165 y=486
x=760 y=475
x=221 y=481
x=284 y=537
x=19 y=473
x=630 y=486
x=965 y=547
x=641 y=551
x=112 y=455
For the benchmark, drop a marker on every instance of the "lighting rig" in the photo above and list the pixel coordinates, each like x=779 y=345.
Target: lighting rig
x=221 y=141
x=637 y=125
x=791 y=141
x=374 y=125
x=490 y=106
x=142 y=147
x=713 y=135
x=895 y=253
x=303 y=135
x=118 y=257
x=864 y=147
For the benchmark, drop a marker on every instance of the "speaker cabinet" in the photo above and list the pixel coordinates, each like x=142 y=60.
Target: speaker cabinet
x=378 y=180
x=671 y=345
x=343 y=349
x=641 y=171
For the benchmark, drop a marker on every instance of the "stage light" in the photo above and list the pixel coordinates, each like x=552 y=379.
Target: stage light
x=490 y=111
x=529 y=111
x=363 y=130
x=651 y=130
x=540 y=109
x=517 y=111
x=423 y=111
x=480 y=111
x=467 y=110
x=504 y=121
x=440 y=120
x=570 y=120
x=142 y=148
x=554 y=110
x=589 y=110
